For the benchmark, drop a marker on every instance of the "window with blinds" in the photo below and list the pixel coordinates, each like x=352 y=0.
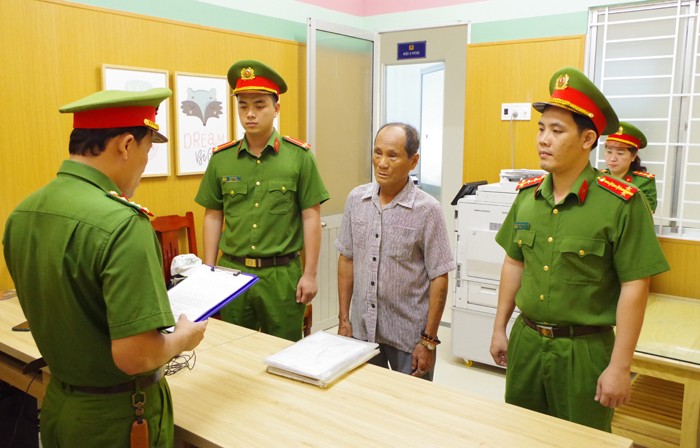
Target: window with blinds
x=645 y=59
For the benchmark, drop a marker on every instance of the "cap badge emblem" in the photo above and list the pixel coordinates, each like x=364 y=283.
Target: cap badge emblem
x=247 y=73
x=150 y=124
x=620 y=131
x=562 y=82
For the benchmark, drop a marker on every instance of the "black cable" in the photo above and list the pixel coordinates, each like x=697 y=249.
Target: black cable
x=179 y=362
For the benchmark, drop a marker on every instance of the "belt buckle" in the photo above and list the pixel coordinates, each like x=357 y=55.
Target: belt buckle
x=545 y=330
x=251 y=262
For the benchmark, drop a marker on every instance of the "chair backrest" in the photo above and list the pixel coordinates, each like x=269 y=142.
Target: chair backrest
x=168 y=231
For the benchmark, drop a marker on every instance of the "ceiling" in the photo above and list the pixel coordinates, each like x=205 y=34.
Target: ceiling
x=364 y=8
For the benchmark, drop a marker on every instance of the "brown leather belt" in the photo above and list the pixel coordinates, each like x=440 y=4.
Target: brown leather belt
x=549 y=331
x=140 y=382
x=281 y=260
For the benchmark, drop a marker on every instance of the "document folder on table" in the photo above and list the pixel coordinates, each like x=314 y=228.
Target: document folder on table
x=321 y=358
x=206 y=290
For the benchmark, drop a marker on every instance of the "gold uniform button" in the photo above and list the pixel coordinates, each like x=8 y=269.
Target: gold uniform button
x=284 y=189
x=255 y=226
x=550 y=239
x=258 y=161
x=582 y=252
x=233 y=192
x=520 y=243
x=546 y=268
x=541 y=297
x=555 y=211
x=257 y=205
x=252 y=247
x=257 y=183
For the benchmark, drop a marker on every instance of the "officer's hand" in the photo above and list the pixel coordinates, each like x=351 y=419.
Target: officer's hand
x=306 y=289
x=191 y=333
x=499 y=348
x=613 y=388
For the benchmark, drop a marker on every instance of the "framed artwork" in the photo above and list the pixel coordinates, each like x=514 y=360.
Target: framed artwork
x=202 y=118
x=115 y=77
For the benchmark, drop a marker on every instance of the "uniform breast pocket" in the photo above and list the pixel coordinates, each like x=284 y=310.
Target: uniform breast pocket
x=235 y=195
x=400 y=242
x=525 y=239
x=281 y=195
x=582 y=260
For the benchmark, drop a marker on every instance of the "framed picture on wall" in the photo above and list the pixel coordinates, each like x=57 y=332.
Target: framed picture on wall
x=115 y=77
x=202 y=118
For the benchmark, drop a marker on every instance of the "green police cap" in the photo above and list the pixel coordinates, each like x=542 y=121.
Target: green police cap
x=629 y=134
x=572 y=90
x=109 y=109
x=254 y=76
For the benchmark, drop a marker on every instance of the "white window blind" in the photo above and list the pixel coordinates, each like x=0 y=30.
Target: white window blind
x=645 y=59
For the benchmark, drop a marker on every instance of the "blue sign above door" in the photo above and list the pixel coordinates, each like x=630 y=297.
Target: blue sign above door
x=411 y=50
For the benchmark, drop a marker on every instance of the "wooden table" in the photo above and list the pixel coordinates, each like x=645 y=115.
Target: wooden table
x=230 y=400
x=664 y=410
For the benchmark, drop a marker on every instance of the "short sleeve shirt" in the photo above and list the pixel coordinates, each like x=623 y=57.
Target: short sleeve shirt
x=88 y=269
x=262 y=197
x=396 y=251
x=577 y=252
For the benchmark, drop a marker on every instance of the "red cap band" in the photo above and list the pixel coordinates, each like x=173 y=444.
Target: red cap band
x=114 y=117
x=256 y=83
x=626 y=138
x=576 y=101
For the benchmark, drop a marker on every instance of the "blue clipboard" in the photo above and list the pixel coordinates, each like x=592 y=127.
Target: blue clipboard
x=206 y=290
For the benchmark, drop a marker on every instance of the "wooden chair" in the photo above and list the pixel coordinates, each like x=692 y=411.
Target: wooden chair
x=168 y=231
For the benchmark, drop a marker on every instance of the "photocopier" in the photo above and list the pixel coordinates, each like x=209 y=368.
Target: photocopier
x=479 y=261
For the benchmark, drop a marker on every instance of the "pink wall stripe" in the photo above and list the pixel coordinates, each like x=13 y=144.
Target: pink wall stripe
x=375 y=7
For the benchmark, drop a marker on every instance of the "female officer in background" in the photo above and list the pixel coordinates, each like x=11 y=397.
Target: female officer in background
x=623 y=162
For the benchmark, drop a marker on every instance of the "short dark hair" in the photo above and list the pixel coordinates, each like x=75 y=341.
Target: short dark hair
x=584 y=123
x=92 y=142
x=412 y=137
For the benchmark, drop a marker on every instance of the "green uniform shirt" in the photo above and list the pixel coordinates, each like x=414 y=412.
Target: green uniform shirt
x=576 y=253
x=645 y=184
x=87 y=269
x=262 y=198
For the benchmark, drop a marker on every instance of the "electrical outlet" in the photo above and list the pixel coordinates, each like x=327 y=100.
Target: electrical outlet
x=516 y=111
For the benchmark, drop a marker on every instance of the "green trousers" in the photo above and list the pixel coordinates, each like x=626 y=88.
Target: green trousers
x=269 y=305
x=558 y=376
x=75 y=419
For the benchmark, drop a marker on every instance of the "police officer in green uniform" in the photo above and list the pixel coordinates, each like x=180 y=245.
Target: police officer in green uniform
x=88 y=272
x=623 y=162
x=266 y=192
x=580 y=249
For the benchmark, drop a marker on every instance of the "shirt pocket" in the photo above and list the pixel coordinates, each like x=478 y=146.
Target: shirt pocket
x=400 y=242
x=582 y=260
x=281 y=195
x=235 y=194
x=525 y=240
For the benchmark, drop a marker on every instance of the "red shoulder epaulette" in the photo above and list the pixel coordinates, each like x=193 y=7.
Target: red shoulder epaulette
x=298 y=143
x=226 y=145
x=617 y=187
x=122 y=199
x=529 y=182
x=644 y=174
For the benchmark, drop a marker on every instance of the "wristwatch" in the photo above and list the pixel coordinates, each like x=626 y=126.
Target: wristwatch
x=429 y=345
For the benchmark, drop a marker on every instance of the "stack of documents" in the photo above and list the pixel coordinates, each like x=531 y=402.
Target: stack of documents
x=321 y=358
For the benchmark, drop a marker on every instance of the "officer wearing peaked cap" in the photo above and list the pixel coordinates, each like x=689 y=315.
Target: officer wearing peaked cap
x=580 y=250
x=78 y=249
x=268 y=192
x=622 y=159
